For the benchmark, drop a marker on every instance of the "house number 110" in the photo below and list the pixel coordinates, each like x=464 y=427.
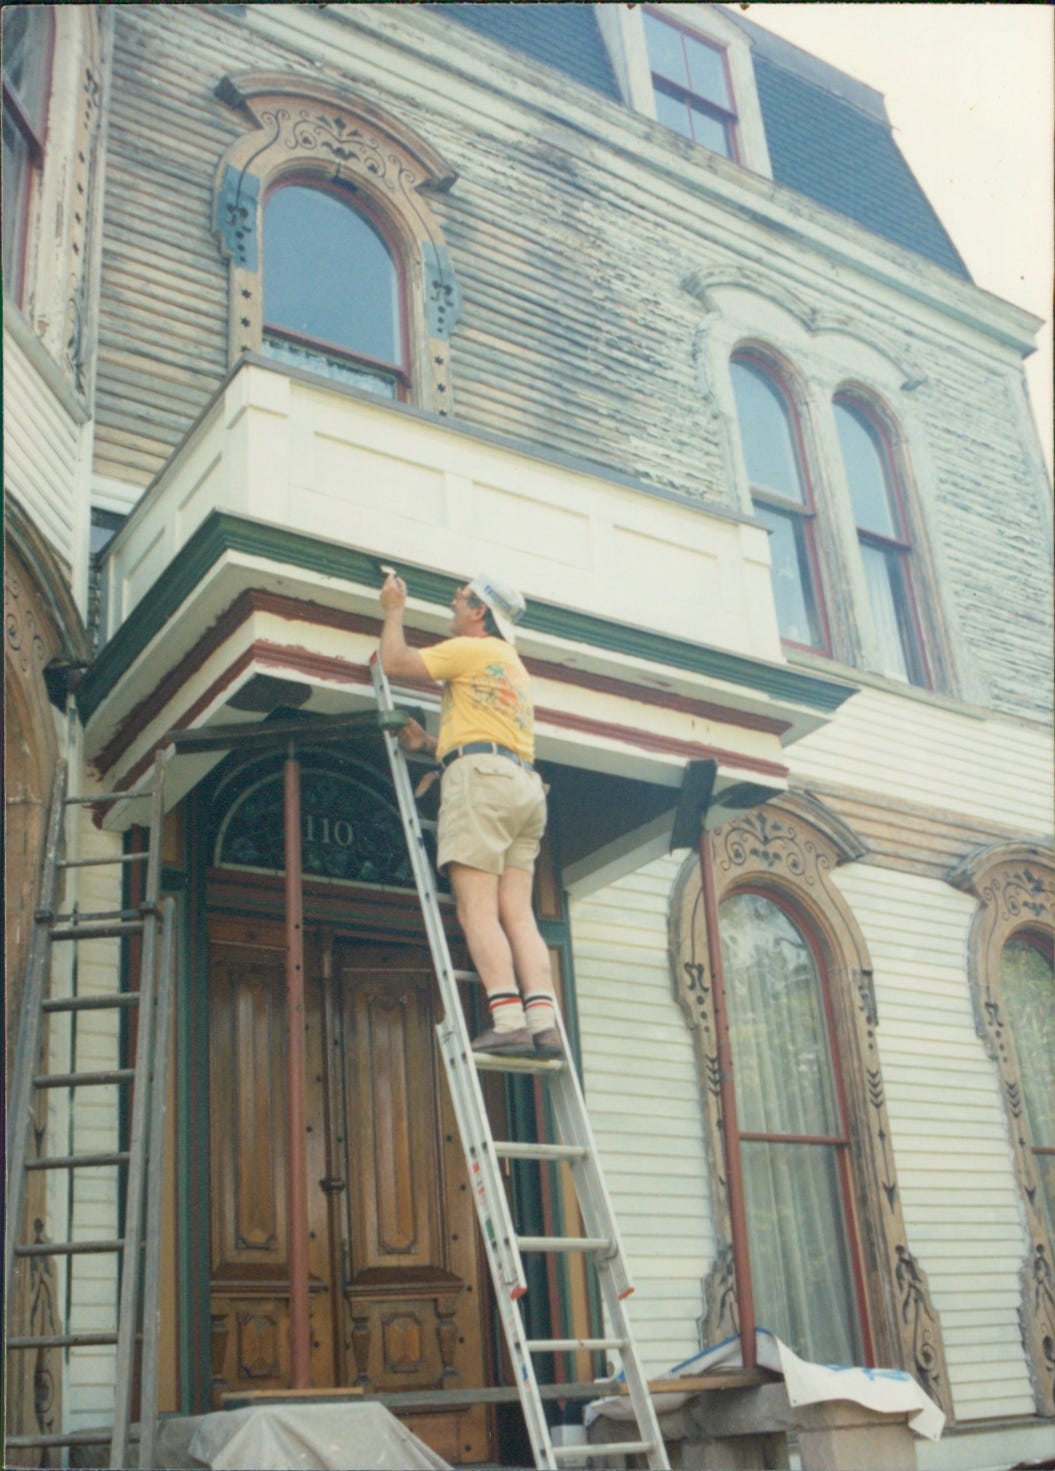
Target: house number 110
x=323 y=830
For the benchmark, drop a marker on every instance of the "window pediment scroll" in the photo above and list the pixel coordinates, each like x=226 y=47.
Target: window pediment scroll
x=303 y=130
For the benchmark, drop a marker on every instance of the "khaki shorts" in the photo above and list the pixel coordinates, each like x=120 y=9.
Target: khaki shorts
x=492 y=814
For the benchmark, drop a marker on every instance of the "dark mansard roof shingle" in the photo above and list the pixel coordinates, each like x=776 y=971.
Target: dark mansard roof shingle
x=828 y=135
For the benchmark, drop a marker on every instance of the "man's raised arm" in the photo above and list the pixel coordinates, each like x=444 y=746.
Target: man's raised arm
x=398 y=659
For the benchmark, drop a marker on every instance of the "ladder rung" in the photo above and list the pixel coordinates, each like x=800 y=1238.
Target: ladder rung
x=494 y=1062
x=465 y=975
x=96 y=916
x=63 y=1340
x=602 y=1451
x=69 y=1248
x=77 y=1161
x=446 y=901
x=84 y=1080
x=97 y=932
x=573 y=1345
x=564 y=1243
x=513 y=1149
x=92 y=1003
x=71 y=1437
x=108 y=797
x=99 y=862
x=427 y=824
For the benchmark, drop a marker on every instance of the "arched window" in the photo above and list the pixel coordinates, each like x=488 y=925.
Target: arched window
x=1027 y=985
x=27 y=51
x=333 y=297
x=337 y=258
x=794 y=1135
x=1009 y=968
x=781 y=496
x=831 y=1269
x=883 y=538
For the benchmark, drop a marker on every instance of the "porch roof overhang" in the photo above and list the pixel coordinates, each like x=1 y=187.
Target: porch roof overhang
x=222 y=604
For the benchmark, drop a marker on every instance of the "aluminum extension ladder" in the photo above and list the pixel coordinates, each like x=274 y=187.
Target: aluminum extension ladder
x=483 y=1153
x=137 y=1244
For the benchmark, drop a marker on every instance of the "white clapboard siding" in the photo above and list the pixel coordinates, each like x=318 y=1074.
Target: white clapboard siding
x=949 y=1132
x=988 y=768
x=90 y=1374
x=42 y=442
x=643 y=1096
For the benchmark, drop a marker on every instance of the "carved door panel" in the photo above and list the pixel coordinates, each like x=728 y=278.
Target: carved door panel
x=396 y=1285
x=248 y=1149
x=411 y=1289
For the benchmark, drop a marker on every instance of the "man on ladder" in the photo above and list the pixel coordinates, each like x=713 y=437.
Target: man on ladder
x=492 y=801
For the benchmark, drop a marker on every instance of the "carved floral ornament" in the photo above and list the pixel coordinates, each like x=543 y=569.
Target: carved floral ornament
x=790 y=848
x=305 y=128
x=1015 y=887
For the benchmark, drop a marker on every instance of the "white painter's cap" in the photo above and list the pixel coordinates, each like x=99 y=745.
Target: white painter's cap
x=504 y=601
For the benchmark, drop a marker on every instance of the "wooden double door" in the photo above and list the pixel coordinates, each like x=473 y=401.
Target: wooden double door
x=397 y=1293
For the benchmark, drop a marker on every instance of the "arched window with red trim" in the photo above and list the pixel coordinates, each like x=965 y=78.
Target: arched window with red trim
x=781 y=495
x=794 y=1132
x=333 y=289
x=1027 y=986
x=877 y=494
x=28 y=44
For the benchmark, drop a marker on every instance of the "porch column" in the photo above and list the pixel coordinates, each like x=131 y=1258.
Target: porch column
x=297 y=1169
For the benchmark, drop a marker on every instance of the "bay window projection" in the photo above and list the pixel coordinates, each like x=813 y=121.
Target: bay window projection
x=28 y=39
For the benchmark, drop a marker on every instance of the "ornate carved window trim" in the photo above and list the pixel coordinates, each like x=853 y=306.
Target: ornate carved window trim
x=304 y=129
x=1015 y=887
x=790 y=849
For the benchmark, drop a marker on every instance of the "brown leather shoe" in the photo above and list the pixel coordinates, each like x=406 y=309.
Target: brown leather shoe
x=548 y=1043
x=506 y=1044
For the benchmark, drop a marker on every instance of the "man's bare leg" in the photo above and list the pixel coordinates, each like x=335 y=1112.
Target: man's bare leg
x=517 y=917
x=476 y=896
x=531 y=959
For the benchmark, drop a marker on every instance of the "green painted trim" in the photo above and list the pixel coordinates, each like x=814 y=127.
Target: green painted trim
x=221 y=532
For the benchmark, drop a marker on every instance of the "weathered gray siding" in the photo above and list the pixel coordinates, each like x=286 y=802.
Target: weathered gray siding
x=577 y=332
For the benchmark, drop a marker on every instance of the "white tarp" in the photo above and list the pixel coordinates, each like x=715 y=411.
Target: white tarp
x=310 y=1437
x=889 y=1391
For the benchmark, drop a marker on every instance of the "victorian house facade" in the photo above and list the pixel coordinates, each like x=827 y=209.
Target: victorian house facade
x=643 y=309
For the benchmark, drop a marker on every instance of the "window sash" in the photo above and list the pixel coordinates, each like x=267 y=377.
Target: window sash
x=804 y=1276
x=357 y=370
x=793 y=574
x=685 y=113
x=793 y=1134
x=671 y=50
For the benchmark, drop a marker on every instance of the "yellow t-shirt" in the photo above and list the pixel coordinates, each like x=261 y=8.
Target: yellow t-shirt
x=486 y=694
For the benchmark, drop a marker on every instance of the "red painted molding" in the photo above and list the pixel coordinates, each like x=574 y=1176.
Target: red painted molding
x=304 y=661
x=333 y=669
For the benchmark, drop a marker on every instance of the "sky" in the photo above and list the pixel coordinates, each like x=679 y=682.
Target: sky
x=968 y=89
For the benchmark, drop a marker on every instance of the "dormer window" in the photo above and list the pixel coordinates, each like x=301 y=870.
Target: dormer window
x=691 y=84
